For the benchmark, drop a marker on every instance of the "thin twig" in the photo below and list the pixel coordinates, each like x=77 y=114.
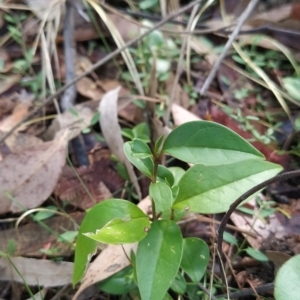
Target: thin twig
x=248 y=292
x=100 y=63
x=232 y=37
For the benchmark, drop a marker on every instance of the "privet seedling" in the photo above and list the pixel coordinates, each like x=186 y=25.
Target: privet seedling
x=224 y=167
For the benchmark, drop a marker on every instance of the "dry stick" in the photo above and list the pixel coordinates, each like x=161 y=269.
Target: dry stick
x=69 y=96
x=242 y=198
x=179 y=66
x=100 y=63
x=248 y=292
x=234 y=34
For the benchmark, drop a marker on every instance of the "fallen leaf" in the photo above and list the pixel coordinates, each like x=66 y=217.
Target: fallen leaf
x=100 y=179
x=88 y=88
x=27 y=179
x=81 y=117
x=36 y=272
x=111 y=130
x=25 y=243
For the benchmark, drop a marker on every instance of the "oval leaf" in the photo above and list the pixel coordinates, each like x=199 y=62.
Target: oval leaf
x=164 y=174
x=208 y=143
x=161 y=193
x=287 y=280
x=158 y=259
x=145 y=165
x=119 y=231
x=256 y=254
x=140 y=149
x=195 y=258
x=212 y=189
x=96 y=218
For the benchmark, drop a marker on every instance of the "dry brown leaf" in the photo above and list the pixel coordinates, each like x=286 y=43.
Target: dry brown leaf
x=81 y=118
x=30 y=238
x=45 y=9
x=39 y=272
x=128 y=30
x=28 y=178
x=88 y=88
x=111 y=130
x=8 y=82
x=110 y=261
x=100 y=179
x=181 y=115
x=16 y=142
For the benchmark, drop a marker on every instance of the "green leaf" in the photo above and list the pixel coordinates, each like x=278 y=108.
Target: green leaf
x=158 y=145
x=177 y=174
x=161 y=193
x=68 y=236
x=140 y=149
x=145 y=165
x=256 y=254
x=45 y=214
x=142 y=132
x=119 y=231
x=179 y=284
x=96 y=218
x=229 y=238
x=165 y=175
x=212 y=189
x=287 y=280
x=208 y=143
x=119 y=283
x=158 y=259
x=127 y=132
x=292 y=85
x=195 y=258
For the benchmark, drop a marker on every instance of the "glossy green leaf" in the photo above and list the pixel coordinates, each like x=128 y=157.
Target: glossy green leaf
x=208 y=143
x=287 y=280
x=145 y=165
x=158 y=259
x=161 y=194
x=119 y=231
x=140 y=149
x=164 y=174
x=96 y=218
x=195 y=258
x=211 y=189
x=256 y=254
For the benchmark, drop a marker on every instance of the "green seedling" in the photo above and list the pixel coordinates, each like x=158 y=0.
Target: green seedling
x=224 y=167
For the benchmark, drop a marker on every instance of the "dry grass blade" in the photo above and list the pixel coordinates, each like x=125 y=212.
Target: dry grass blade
x=264 y=76
x=120 y=43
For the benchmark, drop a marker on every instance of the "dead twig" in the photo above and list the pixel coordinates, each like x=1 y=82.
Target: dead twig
x=232 y=37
